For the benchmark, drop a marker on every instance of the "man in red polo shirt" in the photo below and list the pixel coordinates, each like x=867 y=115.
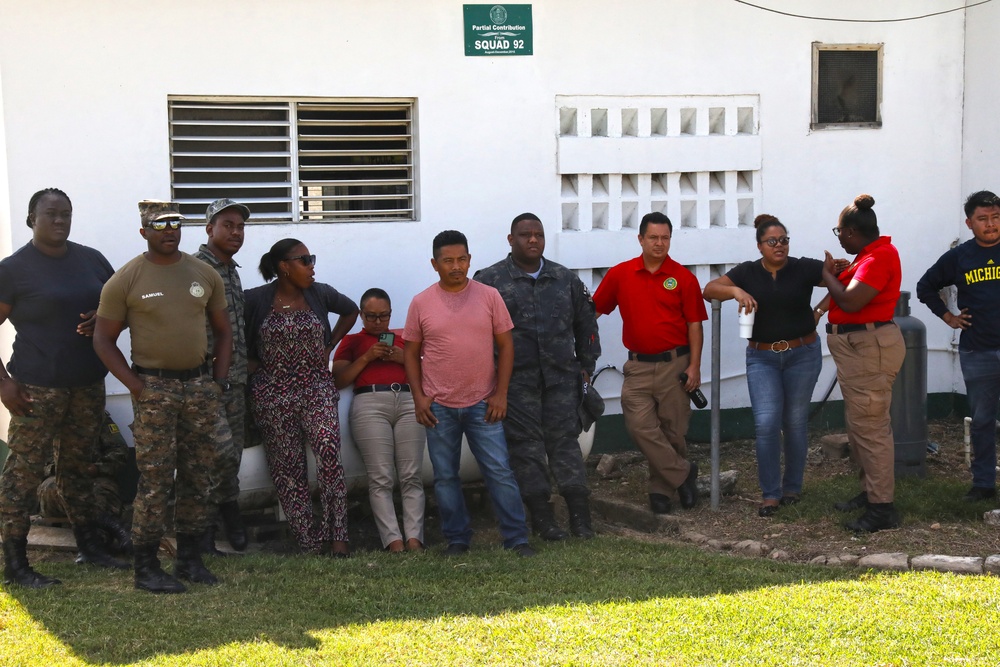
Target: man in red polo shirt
x=662 y=311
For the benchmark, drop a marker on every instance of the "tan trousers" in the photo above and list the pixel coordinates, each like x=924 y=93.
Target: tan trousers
x=867 y=364
x=657 y=412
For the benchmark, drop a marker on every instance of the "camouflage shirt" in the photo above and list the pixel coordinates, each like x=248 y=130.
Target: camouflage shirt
x=555 y=326
x=237 y=318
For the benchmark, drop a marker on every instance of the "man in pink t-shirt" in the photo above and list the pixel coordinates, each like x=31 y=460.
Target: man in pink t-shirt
x=458 y=388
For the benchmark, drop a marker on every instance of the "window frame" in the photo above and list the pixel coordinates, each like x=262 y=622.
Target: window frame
x=298 y=199
x=817 y=48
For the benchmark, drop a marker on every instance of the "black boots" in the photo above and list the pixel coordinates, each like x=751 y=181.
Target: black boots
x=117 y=530
x=878 y=516
x=189 y=565
x=579 y=513
x=207 y=543
x=92 y=550
x=15 y=565
x=543 y=519
x=149 y=576
x=232 y=520
x=855 y=503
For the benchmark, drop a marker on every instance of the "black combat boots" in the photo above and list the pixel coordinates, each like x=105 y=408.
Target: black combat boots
x=15 y=565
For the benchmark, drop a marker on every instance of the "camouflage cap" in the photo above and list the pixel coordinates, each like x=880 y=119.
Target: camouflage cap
x=151 y=210
x=220 y=205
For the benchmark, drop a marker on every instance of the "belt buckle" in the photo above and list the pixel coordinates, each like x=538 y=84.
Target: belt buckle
x=395 y=387
x=778 y=350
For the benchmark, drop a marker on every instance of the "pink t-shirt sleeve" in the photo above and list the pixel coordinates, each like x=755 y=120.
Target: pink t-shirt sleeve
x=411 y=330
x=502 y=321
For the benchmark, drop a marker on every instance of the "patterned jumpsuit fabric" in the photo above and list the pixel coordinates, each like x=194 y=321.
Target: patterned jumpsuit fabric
x=294 y=401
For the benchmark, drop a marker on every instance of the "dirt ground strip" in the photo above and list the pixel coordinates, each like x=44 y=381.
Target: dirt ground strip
x=805 y=532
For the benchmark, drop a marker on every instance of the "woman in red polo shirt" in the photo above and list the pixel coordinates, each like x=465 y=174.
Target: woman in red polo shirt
x=869 y=349
x=383 y=422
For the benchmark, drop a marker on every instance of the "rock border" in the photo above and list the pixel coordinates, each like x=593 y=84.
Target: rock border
x=625 y=514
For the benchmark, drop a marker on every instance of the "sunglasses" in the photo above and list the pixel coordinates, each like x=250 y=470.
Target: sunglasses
x=781 y=240
x=307 y=260
x=160 y=225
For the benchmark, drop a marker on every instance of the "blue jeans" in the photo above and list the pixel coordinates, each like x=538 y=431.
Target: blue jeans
x=781 y=385
x=486 y=440
x=981 y=370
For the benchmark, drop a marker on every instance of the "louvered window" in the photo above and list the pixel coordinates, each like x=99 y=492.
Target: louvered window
x=295 y=160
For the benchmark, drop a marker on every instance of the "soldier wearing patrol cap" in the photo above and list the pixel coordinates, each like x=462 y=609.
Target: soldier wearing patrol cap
x=164 y=296
x=225 y=220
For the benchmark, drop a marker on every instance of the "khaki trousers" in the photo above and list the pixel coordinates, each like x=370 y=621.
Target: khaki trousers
x=867 y=364
x=657 y=411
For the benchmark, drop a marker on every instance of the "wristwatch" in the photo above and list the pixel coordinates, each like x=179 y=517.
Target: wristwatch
x=226 y=386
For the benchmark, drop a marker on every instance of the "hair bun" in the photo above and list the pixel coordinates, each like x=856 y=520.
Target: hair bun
x=864 y=201
x=765 y=219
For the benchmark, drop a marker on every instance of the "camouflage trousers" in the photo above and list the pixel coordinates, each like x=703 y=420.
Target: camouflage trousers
x=225 y=472
x=177 y=424
x=107 y=498
x=542 y=428
x=64 y=427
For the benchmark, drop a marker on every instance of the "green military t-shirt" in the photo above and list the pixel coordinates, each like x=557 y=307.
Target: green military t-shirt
x=164 y=308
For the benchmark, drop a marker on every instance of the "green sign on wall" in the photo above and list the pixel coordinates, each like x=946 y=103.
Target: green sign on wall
x=497 y=30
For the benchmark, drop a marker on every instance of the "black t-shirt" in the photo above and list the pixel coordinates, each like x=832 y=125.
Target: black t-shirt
x=784 y=303
x=47 y=296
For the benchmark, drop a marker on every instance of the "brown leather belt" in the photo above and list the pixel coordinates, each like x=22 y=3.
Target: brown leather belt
x=783 y=345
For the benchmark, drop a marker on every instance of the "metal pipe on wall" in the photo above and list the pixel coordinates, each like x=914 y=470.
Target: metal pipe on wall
x=716 y=397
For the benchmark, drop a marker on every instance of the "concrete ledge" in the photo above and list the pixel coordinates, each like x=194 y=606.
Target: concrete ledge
x=637 y=518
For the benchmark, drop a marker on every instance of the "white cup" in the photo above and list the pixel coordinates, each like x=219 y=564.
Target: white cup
x=746 y=323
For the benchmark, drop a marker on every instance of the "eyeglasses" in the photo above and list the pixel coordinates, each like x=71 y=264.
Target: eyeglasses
x=160 y=225
x=781 y=240
x=307 y=260
x=837 y=231
x=377 y=317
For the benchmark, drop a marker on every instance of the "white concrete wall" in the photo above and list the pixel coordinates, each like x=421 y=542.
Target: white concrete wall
x=85 y=86
x=6 y=333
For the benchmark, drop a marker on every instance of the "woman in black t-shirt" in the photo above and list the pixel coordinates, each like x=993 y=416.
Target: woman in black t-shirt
x=53 y=385
x=783 y=357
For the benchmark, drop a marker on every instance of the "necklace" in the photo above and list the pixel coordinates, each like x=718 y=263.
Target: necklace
x=283 y=305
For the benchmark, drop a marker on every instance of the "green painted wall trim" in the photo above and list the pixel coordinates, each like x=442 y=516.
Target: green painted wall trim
x=737 y=423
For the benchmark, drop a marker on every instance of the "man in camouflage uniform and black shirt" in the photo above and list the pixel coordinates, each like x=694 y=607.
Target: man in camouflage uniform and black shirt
x=556 y=346
x=225 y=221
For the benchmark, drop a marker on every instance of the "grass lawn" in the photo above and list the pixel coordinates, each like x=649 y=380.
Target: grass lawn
x=609 y=601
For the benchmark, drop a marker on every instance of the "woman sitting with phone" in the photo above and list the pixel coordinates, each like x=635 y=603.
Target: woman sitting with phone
x=383 y=423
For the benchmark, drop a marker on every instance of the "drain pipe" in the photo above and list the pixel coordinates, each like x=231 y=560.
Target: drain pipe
x=716 y=397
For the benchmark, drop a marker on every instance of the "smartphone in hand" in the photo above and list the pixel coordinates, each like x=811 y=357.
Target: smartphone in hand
x=387 y=337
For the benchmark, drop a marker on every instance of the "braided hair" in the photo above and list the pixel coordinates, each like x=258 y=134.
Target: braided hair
x=35 y=198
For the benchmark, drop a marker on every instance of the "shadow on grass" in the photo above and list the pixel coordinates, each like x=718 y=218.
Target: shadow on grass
x=282 y=599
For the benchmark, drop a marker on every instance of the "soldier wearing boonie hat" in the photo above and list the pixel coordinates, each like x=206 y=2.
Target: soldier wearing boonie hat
x=154 y=210
x=225 y=220
x=165 y=296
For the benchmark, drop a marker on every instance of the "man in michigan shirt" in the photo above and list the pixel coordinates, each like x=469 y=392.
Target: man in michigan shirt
x=974 y=269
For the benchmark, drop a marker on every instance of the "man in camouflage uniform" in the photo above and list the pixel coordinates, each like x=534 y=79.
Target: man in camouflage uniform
x=164 y=296
x=225 y=221
x=556 y=346
x=103 y=476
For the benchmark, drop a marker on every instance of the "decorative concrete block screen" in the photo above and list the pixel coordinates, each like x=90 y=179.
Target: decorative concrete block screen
x=695 y=158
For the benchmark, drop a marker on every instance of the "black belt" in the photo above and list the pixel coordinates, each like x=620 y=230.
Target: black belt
x=395 y=388
x=850 y=328
x=669 y=355
x=189 y=374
